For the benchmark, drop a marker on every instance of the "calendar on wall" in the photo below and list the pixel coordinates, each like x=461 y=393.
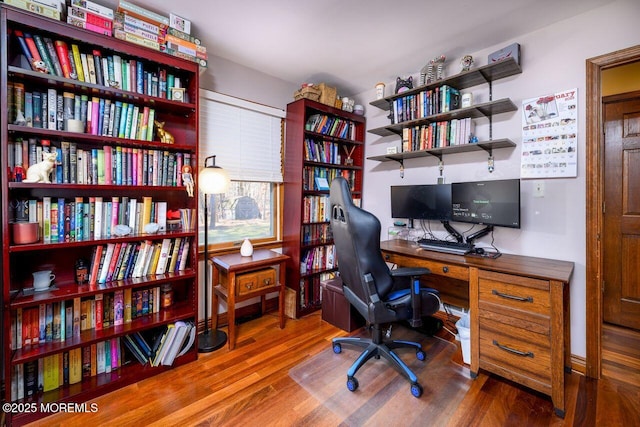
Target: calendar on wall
x=550 y=136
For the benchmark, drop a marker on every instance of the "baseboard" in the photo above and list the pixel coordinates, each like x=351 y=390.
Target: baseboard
x=579 y=364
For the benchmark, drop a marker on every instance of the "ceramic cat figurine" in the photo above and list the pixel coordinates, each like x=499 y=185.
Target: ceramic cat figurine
x=40 y=171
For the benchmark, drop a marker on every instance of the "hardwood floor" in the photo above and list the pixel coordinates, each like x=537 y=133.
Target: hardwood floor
x=250 y=386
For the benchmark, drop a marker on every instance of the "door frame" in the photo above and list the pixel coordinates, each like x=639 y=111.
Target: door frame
x=595 y=192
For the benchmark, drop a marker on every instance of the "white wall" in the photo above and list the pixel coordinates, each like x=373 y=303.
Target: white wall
x=553 y=59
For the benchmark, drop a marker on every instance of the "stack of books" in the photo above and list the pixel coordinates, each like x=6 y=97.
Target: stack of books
x=140 y=26
x=169 y=34
x=90 y=16
x=48 y=8
x=180 y=42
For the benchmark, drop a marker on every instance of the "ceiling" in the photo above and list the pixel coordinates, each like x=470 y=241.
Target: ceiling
x=353 y=44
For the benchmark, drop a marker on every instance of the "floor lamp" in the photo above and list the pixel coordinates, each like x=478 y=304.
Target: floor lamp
x=212 y=179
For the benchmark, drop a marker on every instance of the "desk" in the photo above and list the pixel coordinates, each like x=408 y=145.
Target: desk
x=237 y=278
x=520 y=324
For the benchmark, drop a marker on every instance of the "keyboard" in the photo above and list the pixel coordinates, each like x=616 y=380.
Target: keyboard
x=457 y=248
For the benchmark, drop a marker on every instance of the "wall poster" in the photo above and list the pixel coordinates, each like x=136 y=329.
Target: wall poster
x=550 y=136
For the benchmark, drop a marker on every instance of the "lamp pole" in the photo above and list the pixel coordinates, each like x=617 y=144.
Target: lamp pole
x=212 y=180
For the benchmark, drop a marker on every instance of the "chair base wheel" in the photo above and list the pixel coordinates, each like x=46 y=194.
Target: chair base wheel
x=352 y=384
x=416 y=390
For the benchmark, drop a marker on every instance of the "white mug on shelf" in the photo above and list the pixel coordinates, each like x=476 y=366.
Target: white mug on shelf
x=43 y=279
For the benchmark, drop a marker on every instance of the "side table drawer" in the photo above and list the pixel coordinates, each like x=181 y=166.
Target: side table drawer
x=255 y=280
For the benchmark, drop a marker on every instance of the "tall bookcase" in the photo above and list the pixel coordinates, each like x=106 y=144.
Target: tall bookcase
x=319 y=141
x=134 y=176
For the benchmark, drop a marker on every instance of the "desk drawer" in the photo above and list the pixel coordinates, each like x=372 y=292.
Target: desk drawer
x=437 y=268
x=507 y=293
x=255 y=280
x=518 y=353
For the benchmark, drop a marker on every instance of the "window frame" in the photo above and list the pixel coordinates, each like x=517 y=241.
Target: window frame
x=277 y=188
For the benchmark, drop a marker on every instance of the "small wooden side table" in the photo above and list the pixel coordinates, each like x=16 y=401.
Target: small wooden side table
x=237 y=278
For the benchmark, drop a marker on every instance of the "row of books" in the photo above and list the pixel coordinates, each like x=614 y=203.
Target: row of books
x=310 y=175
x=315 y=233
x=63 y=320
x=111 y=165
x=315 y=209
x=441 y=99
x=318 y=258
x=78 y=220
x=322 y=151
x=66 y=368
x=99 y=116
x=119 y=261
x=58 y=58
x=330 y=125
x=175 y=340
x=160 y=346
x=437 y=135
x=310 y=291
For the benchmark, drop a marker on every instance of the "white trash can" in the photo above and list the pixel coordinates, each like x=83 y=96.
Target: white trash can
x=464 y=331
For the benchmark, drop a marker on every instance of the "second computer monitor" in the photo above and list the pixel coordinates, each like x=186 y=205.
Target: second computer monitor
x=431 y=202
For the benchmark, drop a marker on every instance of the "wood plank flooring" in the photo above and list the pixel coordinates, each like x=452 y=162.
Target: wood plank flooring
x=250 y=386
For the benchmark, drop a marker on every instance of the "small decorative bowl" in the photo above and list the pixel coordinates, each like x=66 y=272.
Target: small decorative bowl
x=24 y=233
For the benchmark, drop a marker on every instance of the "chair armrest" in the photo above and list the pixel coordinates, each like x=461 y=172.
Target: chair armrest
x=409 y=271
x=414 y=273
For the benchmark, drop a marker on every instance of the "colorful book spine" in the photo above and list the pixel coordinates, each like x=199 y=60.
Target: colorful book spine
x=77 y=60
x=44 y=53
x=53 y=55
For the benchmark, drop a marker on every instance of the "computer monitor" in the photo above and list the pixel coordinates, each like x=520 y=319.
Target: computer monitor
x=487 y=202
x=432 y=202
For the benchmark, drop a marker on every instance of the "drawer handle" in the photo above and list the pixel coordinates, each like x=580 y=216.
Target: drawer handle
x=267 y=281
x=513 y=297
x=249 y=285
x=445 y=269
x=512 y=350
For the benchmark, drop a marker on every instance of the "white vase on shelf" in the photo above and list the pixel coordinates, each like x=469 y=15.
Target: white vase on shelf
x=247 y=248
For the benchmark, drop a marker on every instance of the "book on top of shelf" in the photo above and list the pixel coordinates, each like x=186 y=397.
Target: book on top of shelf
x=93 y=7
x=142 y=13
x=36 y=7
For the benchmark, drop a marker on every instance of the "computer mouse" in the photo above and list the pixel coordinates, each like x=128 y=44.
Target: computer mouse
x=479 y=251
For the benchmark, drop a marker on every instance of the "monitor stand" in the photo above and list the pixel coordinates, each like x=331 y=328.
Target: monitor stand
x=488 y=229
x=453 y=231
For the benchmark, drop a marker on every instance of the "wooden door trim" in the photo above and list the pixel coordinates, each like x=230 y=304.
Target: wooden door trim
x=594 y=190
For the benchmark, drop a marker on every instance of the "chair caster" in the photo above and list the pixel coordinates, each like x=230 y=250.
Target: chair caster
x=352 y=383
x=416 y=390
x=421 y=355
x=337 y=348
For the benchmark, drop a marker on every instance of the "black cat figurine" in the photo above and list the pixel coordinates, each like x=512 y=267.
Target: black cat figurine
x=404 y=85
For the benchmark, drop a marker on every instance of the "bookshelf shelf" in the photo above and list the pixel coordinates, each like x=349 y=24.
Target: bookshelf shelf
x=423 y=134
x=96 y=90
x=144 y=173
x=90 y=337
x=311 y=153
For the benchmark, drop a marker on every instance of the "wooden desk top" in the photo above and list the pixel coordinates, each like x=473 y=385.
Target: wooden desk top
x=260 y=258
x=540 y=268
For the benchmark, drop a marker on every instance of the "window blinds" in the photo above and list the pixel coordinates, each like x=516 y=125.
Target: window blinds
x=245 y=137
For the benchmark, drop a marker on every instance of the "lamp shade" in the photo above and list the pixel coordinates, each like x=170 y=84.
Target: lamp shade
x=213 y=180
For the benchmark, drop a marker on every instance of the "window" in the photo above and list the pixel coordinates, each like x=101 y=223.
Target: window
x=247 y=140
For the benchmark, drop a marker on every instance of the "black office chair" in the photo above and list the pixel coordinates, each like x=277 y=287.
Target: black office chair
x=381 y=295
